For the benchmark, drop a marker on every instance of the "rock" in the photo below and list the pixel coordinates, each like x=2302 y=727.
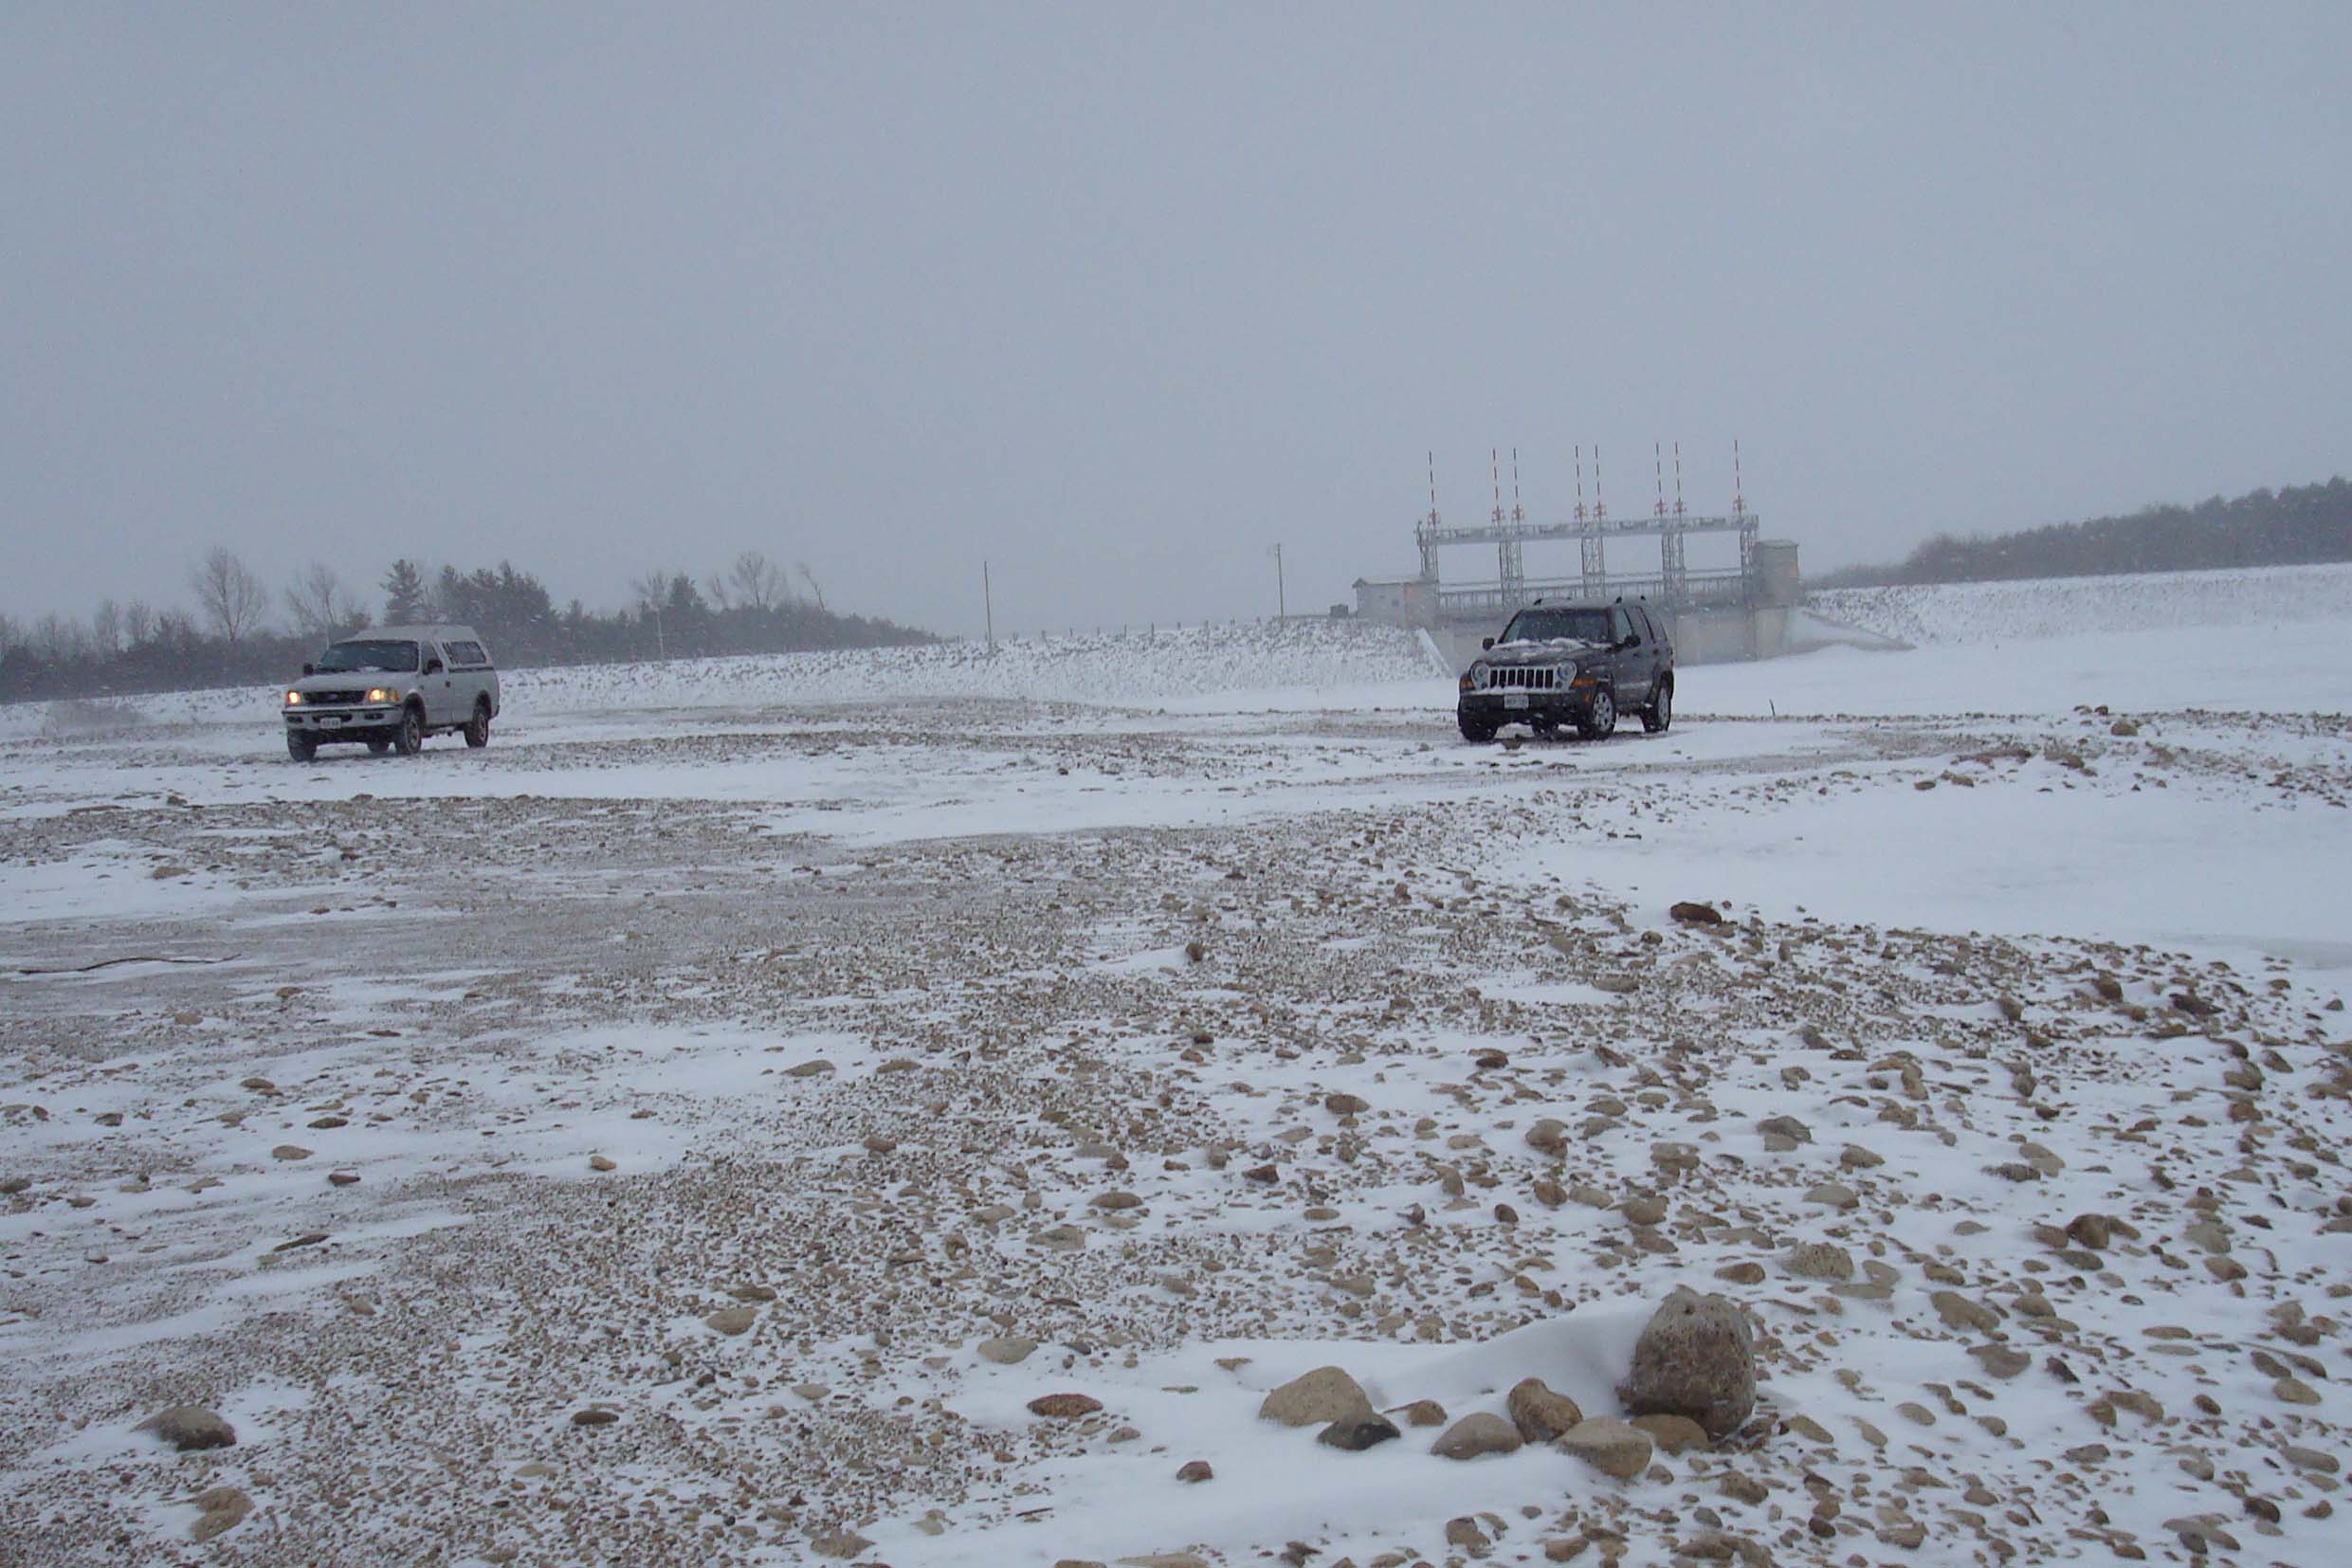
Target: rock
x=1819 y=1260
x=1616 y=984
x=1462 y=1531
x=1611 y=1445
x=1477 y=1435
x=1316 y=1399
x=187 y=1428
x=1785 y=1127
x=1538 y=1413
x=595 y=1418
x=1999 y=1361
x=1064 y=1407
x=1687 y=913
x=1643 y=1210
x=843 y=1543
x=222 y=1508
x=808 y=1069
x=732 y=1321
x=1958 y=1311
x=1007 y=1350
x=1195 y=1471
x=2092 y=1231
x=601 y=1162
x=1355 y=1434
x=1345 y=1104
x=1422 y=1412
x=1833 y=1195
x=289 y=1151
x=1696 y=1358
x=1742 y=1273
x=1672 y=1433
x=2293 y=1390
x=1549 y=1137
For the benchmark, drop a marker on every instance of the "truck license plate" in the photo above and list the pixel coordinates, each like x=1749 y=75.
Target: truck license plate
x=331 y=720
x=1514 y=698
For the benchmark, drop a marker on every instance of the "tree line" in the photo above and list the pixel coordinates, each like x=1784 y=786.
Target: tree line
x=2297 y=526
x=238 y=631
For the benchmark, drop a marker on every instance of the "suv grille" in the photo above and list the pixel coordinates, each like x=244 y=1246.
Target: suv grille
x=334 y=698
x=1524 y=677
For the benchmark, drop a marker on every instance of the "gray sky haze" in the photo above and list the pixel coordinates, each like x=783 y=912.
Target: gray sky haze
x=1118 y=297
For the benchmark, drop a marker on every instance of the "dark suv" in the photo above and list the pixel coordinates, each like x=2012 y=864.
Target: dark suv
x=1570 y=663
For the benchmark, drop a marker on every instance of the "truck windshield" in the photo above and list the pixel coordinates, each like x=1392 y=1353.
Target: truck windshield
x=1541 y=626
x=388 y=655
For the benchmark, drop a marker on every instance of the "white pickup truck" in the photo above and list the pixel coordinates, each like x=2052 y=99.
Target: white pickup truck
x=391 y=688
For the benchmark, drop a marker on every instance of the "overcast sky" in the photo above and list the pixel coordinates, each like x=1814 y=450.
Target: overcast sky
x=1118 y=297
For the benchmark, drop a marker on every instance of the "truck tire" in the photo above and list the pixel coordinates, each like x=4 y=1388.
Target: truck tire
x=408 y=734
x=300 y=747
x=478 y=727
x=1476 y=731
x=1660 y=713
x=1601 y=719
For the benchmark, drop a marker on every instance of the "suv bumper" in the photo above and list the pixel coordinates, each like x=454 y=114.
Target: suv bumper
x=1548 y=707
x=340 y=723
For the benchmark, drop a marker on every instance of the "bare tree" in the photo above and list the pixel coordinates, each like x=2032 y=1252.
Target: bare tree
x=138 y=622
x=11 y=635
x=57 y=639
x=320 y=602
x=652 y=589
x=816 y=589
x=231 y=597
x=754 y=582
x=106 y=627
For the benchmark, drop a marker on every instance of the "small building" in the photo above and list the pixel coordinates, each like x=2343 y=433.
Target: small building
x=1405 y=600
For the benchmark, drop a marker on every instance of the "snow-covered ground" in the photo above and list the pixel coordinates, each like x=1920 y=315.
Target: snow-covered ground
x=403 y=1110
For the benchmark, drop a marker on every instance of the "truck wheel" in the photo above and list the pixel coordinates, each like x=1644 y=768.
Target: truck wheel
x=300 y=747
x=478 y=727
x=1477 y=731
x=1660 y=713
x=1600 y=720
x=409 y=735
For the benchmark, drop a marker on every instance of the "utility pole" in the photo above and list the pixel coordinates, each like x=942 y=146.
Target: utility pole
x=1281 y=602
x=988 y=598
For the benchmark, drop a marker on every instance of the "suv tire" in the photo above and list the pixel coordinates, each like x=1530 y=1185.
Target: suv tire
x=1600 y=720
x=302 y=747
x=1660 y=713
x=408 y=734
x=1476 y=731
x=478 y=727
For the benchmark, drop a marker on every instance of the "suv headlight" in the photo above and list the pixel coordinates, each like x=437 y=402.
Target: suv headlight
x=382 y=693
x=293 y=699
x=1567 y=674
x=1478 y=677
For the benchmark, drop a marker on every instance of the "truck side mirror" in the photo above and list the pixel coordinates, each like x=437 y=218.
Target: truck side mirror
x=310 y=669
x=432 y=667
x=1486 y=642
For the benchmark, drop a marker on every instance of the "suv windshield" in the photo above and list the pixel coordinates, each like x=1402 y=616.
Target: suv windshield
x=388 y=655
x=1541 y=626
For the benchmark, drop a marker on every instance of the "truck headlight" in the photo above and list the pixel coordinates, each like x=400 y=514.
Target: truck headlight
x=382 y=693
x=293 y=699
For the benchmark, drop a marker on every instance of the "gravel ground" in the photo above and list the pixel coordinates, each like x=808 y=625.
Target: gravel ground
x=406 y=1127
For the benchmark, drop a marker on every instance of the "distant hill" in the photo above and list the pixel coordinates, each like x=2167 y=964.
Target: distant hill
x=2293 y=527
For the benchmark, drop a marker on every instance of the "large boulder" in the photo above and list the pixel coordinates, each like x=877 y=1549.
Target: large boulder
x=1539 y=1413
x=1316 y=1399
x=1696 y=1358
x=1610 y=1446
x=190 y=1427
x=1475 y=1436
